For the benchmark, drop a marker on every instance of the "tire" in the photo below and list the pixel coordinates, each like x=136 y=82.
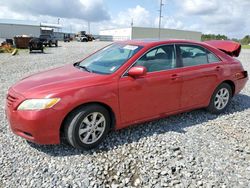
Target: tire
x=56 y=44
x=81 y=120
x=220 y=99
x=50 y=43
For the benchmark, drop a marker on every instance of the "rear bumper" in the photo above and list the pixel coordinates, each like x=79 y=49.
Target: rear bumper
x=240 y=83
x=41 y=126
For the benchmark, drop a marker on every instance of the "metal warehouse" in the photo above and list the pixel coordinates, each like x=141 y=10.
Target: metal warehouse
x=146 y=32
x=10 y=28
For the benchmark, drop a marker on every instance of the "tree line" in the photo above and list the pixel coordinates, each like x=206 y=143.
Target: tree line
x=244 y=41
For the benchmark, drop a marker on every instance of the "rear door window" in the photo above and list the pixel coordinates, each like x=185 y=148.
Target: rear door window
x=212 y=58
x=192 y=55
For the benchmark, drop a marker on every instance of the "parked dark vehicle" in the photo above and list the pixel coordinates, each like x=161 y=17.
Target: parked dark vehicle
x=66 y=38
x=90 y=37
x=9 y=41
x=49 y=40
x=35 y=44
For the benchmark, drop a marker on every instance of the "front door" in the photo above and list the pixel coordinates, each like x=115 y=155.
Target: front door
x=155 y=94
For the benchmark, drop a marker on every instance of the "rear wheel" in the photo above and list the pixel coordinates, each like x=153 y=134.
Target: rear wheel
x=220 y=99
x=84 y=40
x=86 y=127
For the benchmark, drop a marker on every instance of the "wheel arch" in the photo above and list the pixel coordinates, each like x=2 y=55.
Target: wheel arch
x=110 y=110
x=232 y=85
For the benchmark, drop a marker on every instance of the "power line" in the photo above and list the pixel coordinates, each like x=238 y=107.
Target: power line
x=160 y=16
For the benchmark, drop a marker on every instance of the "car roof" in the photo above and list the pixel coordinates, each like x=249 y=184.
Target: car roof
x=155 y=42
x=150 y=43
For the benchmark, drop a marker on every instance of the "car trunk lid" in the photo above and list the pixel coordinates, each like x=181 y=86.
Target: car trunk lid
x=229 y=47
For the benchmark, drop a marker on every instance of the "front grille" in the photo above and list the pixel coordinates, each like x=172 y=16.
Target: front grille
x=10 y=100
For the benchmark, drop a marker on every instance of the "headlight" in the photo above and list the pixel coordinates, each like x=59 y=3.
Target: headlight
x=38 y=104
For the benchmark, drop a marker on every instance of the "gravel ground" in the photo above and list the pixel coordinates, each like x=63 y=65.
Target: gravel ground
x=193 y=149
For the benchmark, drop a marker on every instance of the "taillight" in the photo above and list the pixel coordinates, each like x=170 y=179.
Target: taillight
x=240 y=75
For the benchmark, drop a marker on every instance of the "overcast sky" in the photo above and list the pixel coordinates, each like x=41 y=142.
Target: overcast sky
x=229 y=17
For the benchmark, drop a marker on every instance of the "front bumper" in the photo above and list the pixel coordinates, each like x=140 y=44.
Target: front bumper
x=38 y=126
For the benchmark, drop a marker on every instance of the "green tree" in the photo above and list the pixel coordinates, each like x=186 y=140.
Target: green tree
x=205 y=37
x=235 y=40
x=245 y=40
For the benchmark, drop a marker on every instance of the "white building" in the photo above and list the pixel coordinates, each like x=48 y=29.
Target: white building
x=152 y=33
x=11 y=28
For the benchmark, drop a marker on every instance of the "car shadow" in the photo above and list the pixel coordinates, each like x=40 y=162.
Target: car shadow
x=53 y=46
x=176 y=123
x=39 y=52
x=36 y=52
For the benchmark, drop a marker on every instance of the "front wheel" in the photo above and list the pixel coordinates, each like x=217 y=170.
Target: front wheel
x=220 y=99
x=87 y=126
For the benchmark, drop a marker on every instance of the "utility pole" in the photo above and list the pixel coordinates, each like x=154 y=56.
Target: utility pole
x=132 y=22
x=160 y=16
x=58 y=22
x=88 y=27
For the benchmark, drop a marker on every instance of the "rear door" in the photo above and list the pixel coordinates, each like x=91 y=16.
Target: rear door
x=201 y=71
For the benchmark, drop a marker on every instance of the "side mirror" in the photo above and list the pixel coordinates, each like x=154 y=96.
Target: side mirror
x=137 y=71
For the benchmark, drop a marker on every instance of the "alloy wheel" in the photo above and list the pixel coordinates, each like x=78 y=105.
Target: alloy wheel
x=221 y=98
x=92 y=127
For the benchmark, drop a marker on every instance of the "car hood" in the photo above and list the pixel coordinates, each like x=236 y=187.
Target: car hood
x=55 y=80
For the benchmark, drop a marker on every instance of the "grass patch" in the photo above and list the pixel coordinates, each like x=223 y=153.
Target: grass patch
x=246 y=46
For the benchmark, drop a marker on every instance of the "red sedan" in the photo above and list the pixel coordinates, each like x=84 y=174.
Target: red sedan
x=122 y=84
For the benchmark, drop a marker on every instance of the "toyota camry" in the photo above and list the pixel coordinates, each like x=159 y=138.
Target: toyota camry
x=123 y=84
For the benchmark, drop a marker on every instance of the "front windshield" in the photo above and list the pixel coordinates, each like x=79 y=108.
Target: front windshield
x=109 y=59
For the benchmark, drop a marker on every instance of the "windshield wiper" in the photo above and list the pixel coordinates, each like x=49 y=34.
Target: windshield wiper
x=83 y=67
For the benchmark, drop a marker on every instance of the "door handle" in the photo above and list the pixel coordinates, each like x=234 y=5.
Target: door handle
x=218 y=68
x=175 y=77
